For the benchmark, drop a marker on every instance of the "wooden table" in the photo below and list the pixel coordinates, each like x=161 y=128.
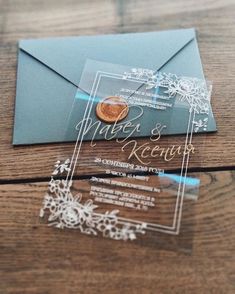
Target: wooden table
x=38 y=259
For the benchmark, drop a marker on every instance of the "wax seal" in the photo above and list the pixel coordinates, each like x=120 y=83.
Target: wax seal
x=112 y=109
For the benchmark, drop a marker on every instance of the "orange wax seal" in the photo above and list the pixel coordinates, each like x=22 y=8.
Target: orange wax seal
x=112 y=109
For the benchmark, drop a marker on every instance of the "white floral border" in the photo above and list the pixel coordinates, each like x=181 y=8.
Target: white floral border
x=65 y=210
x=68 y=211
x=194 y=91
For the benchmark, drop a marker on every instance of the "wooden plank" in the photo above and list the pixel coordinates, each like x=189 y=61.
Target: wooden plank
x=79 y=18
x=40 y=259
x=214 y=22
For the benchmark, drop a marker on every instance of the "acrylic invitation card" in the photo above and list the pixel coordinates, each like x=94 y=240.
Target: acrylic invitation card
x=130 y=185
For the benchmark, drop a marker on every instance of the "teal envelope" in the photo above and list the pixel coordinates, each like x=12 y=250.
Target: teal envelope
x=49 y=72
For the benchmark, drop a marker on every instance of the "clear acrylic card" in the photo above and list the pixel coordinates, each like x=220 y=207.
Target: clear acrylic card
x=127 y=174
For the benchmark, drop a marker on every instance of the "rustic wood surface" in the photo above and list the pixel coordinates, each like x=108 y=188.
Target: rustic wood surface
x=214 y=21
x=38 y=259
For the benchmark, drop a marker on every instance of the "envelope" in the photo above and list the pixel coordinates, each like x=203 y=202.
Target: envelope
x=49 y=71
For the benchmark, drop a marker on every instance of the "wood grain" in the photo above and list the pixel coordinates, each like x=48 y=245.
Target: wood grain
x=36 y=259
x=214 y=22
x=40 y=259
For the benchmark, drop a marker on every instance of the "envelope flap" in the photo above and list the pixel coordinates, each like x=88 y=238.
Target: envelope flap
x=67 y=56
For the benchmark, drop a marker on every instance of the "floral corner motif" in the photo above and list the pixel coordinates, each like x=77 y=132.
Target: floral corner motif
x=68 y=211
x=193 y=91
x=200 y=124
